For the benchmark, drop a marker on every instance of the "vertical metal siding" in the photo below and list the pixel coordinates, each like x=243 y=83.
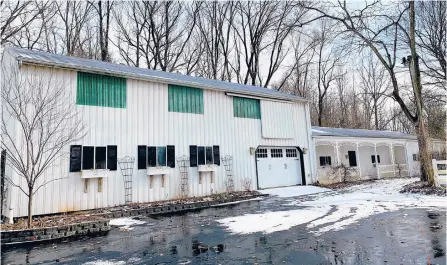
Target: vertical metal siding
x=272 y=125
x=147 y=121
x=246 y=108
x=185 y=99
x=100 y=90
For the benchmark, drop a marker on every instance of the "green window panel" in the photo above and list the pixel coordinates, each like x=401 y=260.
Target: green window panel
x=185 y=99
x=101 y=90
x=246 y=108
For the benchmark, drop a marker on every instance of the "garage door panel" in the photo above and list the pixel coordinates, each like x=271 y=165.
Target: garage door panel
x=278 y=167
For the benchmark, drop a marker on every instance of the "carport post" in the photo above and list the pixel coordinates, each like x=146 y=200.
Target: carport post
x=358 y=160
x=377 y=162
x=392 y=158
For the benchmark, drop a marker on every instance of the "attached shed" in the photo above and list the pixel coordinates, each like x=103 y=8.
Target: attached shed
x=257 y=137
x=367 y=154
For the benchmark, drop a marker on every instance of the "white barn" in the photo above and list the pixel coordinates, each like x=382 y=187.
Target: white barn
x=369 y=154
x=157 y=117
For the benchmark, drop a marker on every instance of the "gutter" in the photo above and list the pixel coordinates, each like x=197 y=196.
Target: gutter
x=24 y=60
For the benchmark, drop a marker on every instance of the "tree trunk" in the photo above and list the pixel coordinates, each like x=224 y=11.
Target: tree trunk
x=427 y=173
x=376 y=119
x=30 y=206
x=320 y=112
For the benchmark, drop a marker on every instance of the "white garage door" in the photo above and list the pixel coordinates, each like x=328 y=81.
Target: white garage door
x=278 y=166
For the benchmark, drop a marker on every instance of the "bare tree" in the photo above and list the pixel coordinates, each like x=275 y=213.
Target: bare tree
x=328 y=58
x=382 y=38
x=214 y=28
x=431 y=31
x=16 y=16
x=48 y=121
x=104 y=12
x=375 y=85
x=74 y=17
x=263 y=28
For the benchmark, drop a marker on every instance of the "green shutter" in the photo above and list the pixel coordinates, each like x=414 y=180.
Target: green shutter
x=246 y=108
x=185 y=99
x=101 y=90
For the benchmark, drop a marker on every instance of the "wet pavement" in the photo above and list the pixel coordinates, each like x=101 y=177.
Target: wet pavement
x=406 y=236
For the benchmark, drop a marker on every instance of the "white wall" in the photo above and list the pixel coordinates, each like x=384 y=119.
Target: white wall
x=146 y=121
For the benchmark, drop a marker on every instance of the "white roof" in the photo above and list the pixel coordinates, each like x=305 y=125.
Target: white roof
x=341 y=132
x=87 y=65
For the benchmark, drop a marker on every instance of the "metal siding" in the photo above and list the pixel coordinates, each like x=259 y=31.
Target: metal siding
x=185 y=99
x=272 y=127
x=100 y=90
x=246 y=108
x=147 y=121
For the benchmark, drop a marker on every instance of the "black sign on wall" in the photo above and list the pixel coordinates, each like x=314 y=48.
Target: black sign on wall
x=75 y=158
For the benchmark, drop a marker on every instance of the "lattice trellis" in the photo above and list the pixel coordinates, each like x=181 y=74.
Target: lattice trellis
x=183 y=165
x=126 y=166
x=228 y=163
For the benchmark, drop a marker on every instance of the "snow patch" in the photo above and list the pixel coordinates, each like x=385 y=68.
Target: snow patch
x=293 y=191
x=271 y=221
x=126 y=222
x=333 y=211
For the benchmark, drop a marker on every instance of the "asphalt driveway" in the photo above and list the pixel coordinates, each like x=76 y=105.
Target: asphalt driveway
x=366 y=224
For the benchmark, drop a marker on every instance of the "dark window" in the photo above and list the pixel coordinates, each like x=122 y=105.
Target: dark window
x=415 y=157
x=88 y=158
x=170 y=156
x=325 y=161
x=201 y=155
x=261 y=153
x=75 y=158
x=100 y=157
x=209 y=155
x=373 y=159
x=112 y=157
x=142 y=157
x=352 y=159
x=216 y=155
x=151 y=156
x=291 y=153
x=193 y=155
x=276 y=153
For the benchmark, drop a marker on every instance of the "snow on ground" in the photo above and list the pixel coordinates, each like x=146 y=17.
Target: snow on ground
x=333 y=211
x=126 y=222
x=294 y=191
